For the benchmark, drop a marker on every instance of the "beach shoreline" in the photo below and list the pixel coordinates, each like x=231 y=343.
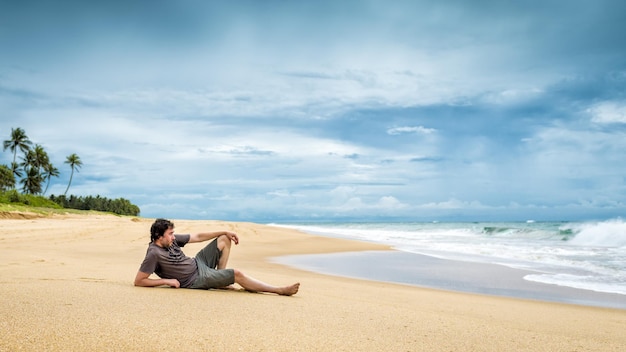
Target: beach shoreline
x=445 y=274
x=66 y=284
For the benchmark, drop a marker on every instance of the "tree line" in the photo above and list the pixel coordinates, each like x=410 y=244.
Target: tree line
x=34 y=169
x=119 y=206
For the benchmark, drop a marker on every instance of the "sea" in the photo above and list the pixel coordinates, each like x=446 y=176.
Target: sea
x=582 y=255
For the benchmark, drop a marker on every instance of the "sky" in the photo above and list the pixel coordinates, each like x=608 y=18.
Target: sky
x=326 y=110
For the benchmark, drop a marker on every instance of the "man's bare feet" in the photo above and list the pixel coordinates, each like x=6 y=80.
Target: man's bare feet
x=289 y=290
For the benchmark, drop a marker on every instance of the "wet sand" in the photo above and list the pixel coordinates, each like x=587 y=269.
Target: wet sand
x=426 y=271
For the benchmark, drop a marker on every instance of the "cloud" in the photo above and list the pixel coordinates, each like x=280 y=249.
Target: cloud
x=608 y=112
x=243 y=111
x=391 y=203
x=454 y=204
x=410 y=129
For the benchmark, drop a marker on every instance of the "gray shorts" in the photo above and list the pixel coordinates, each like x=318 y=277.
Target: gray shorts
x=208 y=276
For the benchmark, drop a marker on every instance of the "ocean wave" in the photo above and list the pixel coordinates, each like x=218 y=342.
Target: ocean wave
x=611 y=233
x=587 y=255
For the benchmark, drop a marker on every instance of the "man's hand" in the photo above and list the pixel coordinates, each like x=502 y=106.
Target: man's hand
x=143 y=279
x=172 y=283
x=232 y=236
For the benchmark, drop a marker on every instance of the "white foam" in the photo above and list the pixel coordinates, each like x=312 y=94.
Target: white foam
x=589 y=255
x=610 y=233
x=585 y=282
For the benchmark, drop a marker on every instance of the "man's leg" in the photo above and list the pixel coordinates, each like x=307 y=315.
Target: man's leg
x=223 y=244
x=255 y=285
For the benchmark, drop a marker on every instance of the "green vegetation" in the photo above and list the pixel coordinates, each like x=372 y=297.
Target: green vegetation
x=36 y=206
x=35 y=169
x=7 y=180
x=14 y=197
x=21 y=208
x=118 y=206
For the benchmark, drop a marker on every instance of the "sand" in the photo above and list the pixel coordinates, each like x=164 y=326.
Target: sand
x=66 y=285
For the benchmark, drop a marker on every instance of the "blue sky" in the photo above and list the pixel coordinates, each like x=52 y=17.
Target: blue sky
x=323 y=110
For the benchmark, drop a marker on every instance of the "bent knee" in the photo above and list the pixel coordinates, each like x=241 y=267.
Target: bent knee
x=223 y=242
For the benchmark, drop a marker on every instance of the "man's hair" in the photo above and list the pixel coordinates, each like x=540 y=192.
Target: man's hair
x=159 y=227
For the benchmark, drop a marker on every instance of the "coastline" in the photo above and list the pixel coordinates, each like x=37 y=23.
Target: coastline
x=446 y=274
x=66 y=284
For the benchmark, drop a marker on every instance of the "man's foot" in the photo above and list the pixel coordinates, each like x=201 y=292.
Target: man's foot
x=289 y=290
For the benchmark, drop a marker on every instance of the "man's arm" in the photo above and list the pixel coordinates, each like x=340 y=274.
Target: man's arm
x=143 y=279
x=205 y=236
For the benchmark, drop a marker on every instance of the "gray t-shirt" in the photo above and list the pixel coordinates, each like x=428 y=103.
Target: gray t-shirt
x=171 y=262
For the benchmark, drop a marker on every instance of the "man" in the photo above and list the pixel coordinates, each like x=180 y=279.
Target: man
x=207 y=270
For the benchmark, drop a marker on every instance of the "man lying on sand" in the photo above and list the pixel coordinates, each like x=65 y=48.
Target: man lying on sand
x=208 y=270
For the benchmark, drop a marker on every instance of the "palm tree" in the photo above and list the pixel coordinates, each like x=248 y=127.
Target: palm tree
x=48 y=171
x=20 y=141
x=41 y=157
x=32 y=179
x=31 y=184
x=29 y=161
x=15 y=168
x=75 y=163
x=7 y=181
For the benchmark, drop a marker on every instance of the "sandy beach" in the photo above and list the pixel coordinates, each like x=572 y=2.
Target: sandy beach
x=66 y=285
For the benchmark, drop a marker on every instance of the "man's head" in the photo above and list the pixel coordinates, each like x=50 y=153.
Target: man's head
x=159 y=228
